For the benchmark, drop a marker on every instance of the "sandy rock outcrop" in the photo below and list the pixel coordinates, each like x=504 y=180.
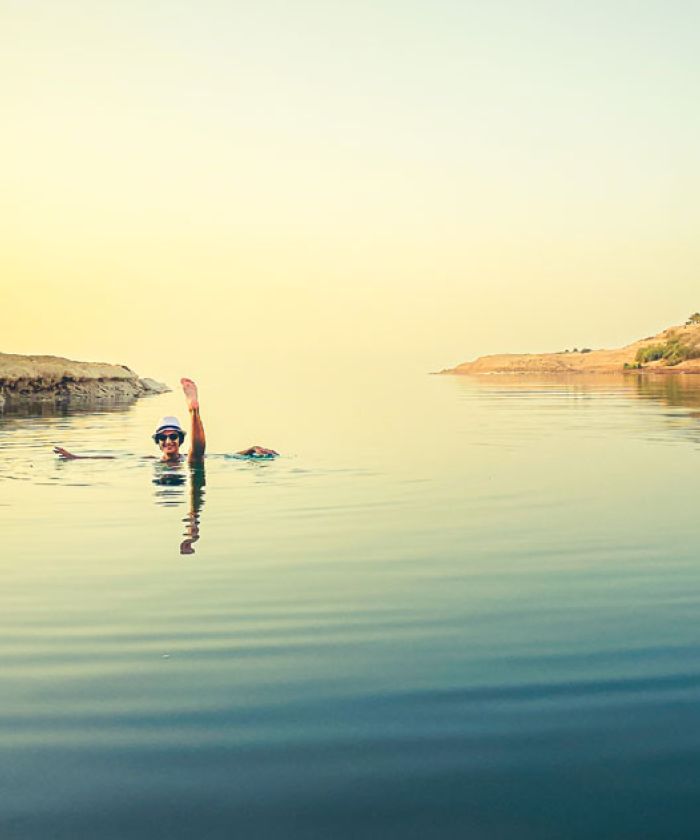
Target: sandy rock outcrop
x=54 y=378
x=593 y=361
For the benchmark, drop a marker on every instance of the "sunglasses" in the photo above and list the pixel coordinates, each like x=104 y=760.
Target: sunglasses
x=162 y=438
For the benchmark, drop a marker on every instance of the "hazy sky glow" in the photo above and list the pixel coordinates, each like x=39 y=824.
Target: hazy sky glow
x=305 y=183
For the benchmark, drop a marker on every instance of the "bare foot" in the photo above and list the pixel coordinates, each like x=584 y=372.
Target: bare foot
x=191 y=395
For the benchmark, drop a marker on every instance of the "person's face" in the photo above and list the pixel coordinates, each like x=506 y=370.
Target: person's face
x=169 y=443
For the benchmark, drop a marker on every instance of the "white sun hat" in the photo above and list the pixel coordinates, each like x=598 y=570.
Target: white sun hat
x=169 y=422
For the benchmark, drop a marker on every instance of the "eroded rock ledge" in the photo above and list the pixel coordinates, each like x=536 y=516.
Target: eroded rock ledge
x=48 y=378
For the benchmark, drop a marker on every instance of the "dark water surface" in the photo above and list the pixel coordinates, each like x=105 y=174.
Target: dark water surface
x=453 y=608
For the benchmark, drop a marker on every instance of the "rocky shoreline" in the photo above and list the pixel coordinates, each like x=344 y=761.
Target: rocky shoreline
x=54 y=379
x=673 y=351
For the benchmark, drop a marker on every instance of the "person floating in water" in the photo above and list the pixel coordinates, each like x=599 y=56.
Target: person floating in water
x=169 y=436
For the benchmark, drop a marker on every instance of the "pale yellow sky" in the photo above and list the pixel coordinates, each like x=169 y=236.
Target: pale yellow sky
x=320 y=184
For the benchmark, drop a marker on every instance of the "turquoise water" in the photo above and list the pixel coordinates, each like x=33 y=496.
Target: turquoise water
x=452 y=608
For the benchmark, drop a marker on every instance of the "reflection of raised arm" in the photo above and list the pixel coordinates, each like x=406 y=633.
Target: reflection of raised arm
x=197 y=483
x=198 y=441
x=69 y=456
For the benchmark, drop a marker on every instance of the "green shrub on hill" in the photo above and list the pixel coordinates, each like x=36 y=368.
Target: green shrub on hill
x=651 y=353
x=673 y=352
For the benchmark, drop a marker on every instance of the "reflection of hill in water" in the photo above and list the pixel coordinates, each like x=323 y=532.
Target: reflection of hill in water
x=65 y=408
x=678 y=391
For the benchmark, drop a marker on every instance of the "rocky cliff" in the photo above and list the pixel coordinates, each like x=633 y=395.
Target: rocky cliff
x=54 y=378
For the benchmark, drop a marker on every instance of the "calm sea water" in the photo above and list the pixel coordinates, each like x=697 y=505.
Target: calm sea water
x=452 y=608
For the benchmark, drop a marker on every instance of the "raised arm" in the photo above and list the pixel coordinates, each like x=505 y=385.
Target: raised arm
x=198 y=441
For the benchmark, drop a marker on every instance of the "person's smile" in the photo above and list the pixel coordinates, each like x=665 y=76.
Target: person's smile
x=169 y=443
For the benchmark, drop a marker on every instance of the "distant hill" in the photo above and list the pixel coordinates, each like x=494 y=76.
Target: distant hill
x=675 y=350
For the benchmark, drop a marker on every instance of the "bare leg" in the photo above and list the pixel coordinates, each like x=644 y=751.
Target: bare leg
x=198 y=443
